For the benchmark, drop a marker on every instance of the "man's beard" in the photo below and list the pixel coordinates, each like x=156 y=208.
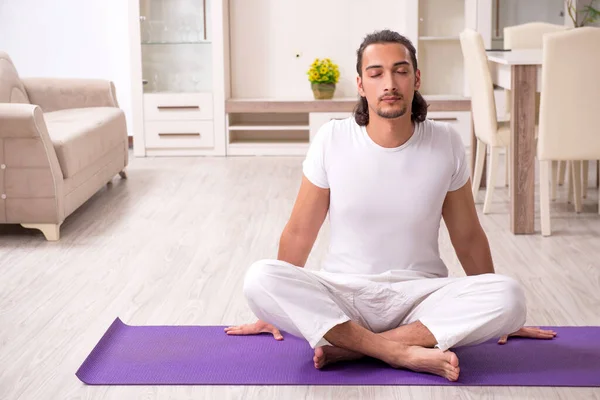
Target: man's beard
x=391 y=114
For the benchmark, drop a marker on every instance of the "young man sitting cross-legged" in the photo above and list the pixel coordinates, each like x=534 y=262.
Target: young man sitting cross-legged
x=386 y=176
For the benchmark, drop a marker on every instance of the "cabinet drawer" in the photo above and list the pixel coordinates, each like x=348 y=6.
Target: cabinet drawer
x=178 y=106
x=459 y=120
x=179 y=134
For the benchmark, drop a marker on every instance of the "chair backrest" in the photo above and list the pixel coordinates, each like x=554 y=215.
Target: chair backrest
x=483 y=104
x=11 y=87
x=529 y=35
x=570 y=97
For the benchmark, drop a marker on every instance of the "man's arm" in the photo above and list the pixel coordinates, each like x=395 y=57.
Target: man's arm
x=466 y=234
x=472 y=247
x=308 y=214
x=295 y=244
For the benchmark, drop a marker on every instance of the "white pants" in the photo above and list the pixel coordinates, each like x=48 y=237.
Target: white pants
x=457 y=311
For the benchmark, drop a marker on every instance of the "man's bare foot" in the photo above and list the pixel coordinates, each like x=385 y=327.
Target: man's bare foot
x=434 y=361
x=330 y=354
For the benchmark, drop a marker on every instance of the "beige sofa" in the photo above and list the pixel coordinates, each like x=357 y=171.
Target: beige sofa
x=61 y=140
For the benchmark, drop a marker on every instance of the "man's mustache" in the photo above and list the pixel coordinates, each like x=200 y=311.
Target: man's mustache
x=391 y=95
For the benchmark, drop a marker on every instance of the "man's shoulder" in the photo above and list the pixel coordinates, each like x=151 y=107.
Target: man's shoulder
x=337 y=129
x=441 y=132
x=340 y=125
x=436 y=127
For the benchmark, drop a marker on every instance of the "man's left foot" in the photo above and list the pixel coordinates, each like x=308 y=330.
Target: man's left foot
x=330 y=354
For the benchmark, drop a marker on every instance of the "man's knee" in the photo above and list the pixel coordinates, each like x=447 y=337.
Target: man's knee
x=512 y=302
x=262 y=276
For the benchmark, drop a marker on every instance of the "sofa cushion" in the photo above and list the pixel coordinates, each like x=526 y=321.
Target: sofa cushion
x=81 y=136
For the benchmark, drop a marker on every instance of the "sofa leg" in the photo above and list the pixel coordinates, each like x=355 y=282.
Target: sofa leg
x=123 y=174
x=50 y=231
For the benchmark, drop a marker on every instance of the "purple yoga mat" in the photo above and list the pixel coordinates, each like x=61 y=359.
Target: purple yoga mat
x=205 y=355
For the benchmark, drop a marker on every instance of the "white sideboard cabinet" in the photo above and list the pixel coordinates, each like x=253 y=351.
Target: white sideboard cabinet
x=178 y=75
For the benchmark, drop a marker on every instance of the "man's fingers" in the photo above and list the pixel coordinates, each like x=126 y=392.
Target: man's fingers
x=253 y=329
x=240 y=330
x=539 y=333
x=276 y=334
x=230 y=328
x=544 y=335
x=272 y=330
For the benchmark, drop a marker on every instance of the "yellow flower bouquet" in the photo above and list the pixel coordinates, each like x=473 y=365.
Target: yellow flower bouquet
x=323 y=75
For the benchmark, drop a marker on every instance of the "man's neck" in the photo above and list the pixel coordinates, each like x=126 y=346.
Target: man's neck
x=390 y=133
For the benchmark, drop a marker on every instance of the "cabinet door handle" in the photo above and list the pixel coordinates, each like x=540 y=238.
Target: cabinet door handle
x=178 y=107
x=180 y=134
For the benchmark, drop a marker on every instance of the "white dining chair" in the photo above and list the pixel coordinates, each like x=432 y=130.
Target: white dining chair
x=569 y=108
x=523 y=37
x=488 y=131
x=529 y=35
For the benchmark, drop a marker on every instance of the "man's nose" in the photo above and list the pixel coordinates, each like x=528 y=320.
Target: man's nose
x=390 y=84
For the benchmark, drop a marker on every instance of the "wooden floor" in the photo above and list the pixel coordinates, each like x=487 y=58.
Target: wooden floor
x=170 y=246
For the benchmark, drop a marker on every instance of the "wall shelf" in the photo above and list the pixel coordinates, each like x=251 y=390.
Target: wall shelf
x=266 y=127
x=285 y=127
x=267 y=132
x=261 y=105
x=267 y=148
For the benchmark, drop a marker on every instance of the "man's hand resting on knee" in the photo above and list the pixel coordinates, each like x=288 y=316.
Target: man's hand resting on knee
x=533 y=333
x=254 y=329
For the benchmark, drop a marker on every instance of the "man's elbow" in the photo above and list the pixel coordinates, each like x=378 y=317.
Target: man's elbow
x=469 y=240
x=298 y=233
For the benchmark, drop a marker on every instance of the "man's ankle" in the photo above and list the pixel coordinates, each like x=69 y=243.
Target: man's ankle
x=393 y=350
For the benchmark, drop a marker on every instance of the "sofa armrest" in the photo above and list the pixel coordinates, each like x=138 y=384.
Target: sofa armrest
x=31 y=181
x=53 y=94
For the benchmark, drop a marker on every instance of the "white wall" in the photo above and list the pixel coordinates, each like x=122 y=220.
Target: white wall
x=69 y=38
x=266 y=35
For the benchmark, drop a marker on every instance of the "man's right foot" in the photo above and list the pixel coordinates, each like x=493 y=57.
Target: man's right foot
x=434 y=361
x=330 y=354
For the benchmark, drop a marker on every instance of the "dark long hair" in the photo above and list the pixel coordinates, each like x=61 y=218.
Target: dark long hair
x=419 y=105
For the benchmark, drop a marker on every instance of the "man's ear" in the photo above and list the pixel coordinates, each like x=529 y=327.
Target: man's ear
x=360 y=86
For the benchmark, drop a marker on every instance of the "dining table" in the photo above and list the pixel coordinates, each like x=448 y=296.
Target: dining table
x=520 y=72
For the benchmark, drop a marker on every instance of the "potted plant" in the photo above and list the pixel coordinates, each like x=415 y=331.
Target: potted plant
x=590 y=14
x=323 y=76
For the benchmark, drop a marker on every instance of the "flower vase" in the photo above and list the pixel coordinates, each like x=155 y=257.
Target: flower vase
x=323 y=91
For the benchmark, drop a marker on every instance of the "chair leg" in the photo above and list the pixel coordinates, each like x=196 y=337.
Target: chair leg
x=545 y=197
x=570 y=182
x=123 y=174
x=554 y=180
x=585 y=178
x=491 y=181
x=50 y=231
x=562 y=169
x=507 y=166
x=479 y=161
x=576 y=176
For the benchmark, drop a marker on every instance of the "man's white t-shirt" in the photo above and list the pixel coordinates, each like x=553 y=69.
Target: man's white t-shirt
x=386 y=203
